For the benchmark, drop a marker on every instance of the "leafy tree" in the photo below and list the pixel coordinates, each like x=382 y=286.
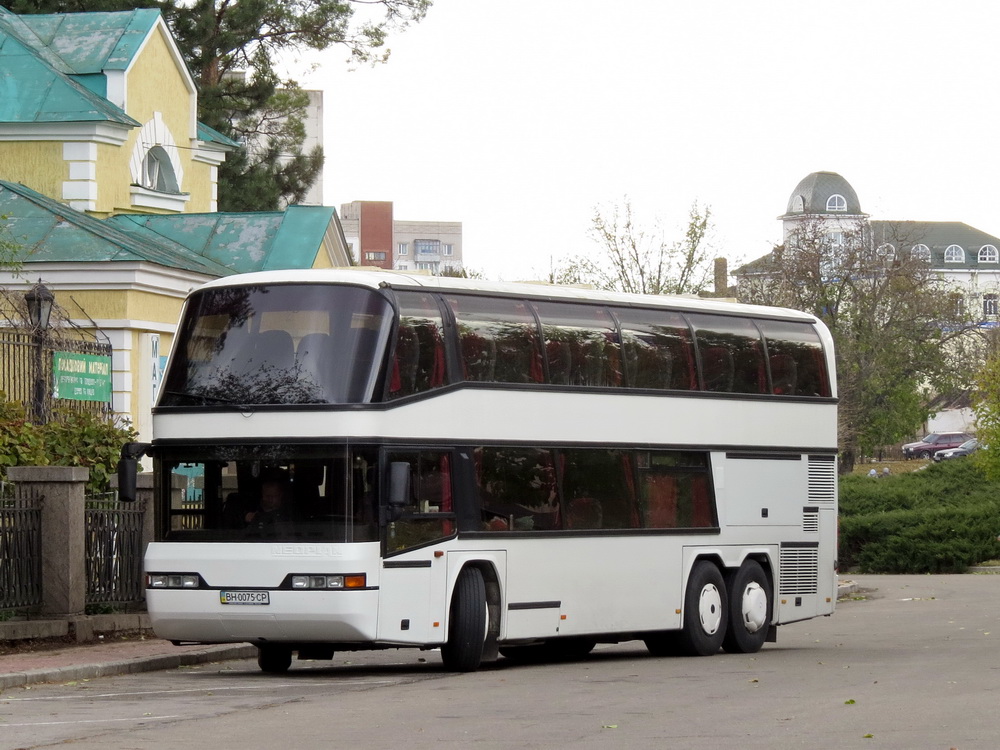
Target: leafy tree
x=987 y=408
x=637 y=260
x=231 y=48
x=899 y=329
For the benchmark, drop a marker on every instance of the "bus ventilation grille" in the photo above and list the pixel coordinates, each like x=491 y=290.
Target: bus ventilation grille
x=822 y=479
x=799 y=570
x=810 y=521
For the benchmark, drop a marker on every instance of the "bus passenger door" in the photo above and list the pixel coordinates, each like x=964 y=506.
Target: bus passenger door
x=416 y=512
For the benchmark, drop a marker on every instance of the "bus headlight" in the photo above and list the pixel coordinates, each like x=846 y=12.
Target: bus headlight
x=172 y=581
x=301 y=582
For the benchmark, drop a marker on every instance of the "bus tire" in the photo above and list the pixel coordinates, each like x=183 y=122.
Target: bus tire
x=705 y=606
x=463 y=650
x=750 y=608
x=274 y=659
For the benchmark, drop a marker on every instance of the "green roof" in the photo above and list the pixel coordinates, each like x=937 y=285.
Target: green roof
x=215 y=244
x=93 y=42
x=243 y=242
x=37 y=82
x=210 y=135
x=52 y=232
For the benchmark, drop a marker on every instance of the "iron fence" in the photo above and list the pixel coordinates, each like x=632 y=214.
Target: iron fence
x=19 y=367
x=113 y=545
x=20 y=549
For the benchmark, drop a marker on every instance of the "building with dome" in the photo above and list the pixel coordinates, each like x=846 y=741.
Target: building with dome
x=964 y=255
x=824 y=211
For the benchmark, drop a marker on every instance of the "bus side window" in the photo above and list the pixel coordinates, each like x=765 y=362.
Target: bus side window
x=732 y=354
x=675 y=491
x=585 y=338
x=599 y=489
x=498 y=340
x=517 y=489
x=427 y=514
x=798 y=367
x=419 y=362
x=657 y=350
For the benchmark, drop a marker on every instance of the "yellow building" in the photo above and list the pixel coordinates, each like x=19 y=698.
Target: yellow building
x=108 y=185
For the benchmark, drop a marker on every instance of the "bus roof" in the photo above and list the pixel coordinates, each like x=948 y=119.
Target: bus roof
x=377 y=279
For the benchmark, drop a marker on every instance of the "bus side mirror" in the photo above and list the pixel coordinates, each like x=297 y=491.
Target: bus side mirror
x=128 y=468
x=399 y=488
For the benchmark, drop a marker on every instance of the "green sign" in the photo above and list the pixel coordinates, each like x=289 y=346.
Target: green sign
x=81 y=377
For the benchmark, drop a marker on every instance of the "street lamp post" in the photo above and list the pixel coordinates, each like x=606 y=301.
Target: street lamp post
x=39 y=301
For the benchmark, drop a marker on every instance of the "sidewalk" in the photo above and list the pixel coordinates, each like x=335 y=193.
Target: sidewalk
x=86 y=661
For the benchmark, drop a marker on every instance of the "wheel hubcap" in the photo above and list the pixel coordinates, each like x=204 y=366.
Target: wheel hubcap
x=710 y=609
x=754 y=607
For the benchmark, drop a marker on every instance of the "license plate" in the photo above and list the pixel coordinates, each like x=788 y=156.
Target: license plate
x=244 y=597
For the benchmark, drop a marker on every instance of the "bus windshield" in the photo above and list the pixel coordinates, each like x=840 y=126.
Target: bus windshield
x=277 y=493
x=279 y=344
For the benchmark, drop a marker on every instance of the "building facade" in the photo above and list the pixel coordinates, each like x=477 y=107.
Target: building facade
x=108 y=186
x=378 y=239
x=966 y=257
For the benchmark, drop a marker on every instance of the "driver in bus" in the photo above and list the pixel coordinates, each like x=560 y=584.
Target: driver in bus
x=274 y=497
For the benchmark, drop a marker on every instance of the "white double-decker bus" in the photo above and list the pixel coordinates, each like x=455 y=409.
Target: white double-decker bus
x=354 y=459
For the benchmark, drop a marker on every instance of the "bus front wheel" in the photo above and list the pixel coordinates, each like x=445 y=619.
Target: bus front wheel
x=463 y=651
x=705 y=605
x=274 y=659
x=750 y=607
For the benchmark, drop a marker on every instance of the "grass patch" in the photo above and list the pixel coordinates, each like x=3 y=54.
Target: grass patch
x=943 y=519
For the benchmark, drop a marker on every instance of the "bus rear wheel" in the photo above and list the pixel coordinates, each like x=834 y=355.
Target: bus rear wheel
x=750 y=607
x=705 y=605
x=463 y=652
x=274 y=659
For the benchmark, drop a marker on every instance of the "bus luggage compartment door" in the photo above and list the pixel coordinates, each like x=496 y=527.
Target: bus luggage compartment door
x=409 y=593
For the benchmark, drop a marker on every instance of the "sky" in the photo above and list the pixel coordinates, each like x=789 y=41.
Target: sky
x=520 y=118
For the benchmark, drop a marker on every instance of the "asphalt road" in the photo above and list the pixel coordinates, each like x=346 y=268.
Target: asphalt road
x=912 y=662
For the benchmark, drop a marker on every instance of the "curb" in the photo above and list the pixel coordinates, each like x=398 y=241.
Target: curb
x=846 y=588
x=129 y=666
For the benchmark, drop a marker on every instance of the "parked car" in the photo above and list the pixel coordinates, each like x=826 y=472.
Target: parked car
x=934 y=442
x=965 y=449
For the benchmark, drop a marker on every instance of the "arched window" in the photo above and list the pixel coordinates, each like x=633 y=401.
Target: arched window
x=798 y=204
x=887 y=252
x=158 y=171
x=836 y=203
x=921 y=252
x=988 y=254
x=954 y=254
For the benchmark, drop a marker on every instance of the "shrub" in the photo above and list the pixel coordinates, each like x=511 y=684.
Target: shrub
x=68 y=439
x=940 y=520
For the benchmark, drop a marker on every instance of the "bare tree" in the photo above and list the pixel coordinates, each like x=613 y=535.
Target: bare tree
x=641 y=261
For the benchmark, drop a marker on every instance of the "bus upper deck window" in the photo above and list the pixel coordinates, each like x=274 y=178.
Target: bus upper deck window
x=795 y=355
x=418 y=363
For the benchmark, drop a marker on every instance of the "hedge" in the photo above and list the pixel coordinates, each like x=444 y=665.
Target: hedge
x=942 y=519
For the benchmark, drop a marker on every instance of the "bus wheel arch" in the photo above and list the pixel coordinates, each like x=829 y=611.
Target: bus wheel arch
x=751 y=607
x=705 y=615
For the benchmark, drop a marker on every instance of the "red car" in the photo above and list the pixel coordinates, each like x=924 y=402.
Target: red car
x=934 y=442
